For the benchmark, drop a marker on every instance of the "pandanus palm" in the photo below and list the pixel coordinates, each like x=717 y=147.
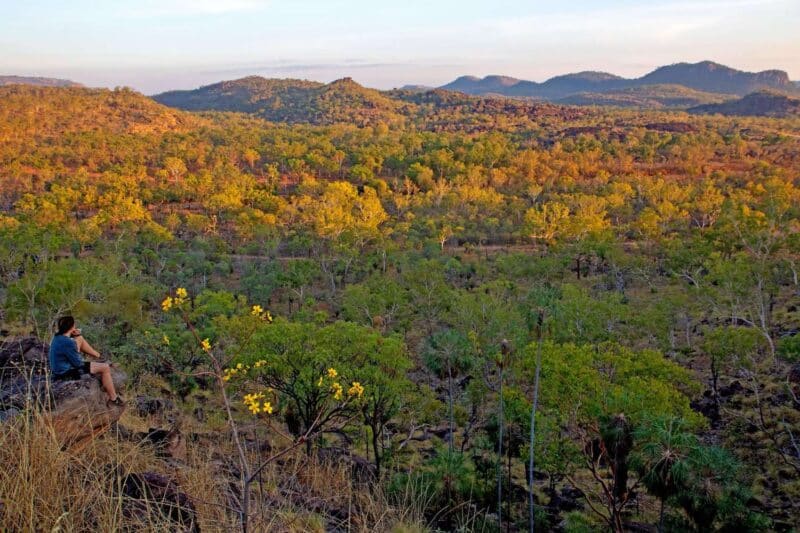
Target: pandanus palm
x=663 y=460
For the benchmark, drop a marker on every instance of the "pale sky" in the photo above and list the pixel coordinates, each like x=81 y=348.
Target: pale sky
x=156 y=45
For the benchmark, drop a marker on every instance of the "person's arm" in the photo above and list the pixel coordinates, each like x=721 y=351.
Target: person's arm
x=73 y=355
x=84 y=346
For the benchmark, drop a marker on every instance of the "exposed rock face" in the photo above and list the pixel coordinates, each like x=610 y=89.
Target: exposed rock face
x=77 y=409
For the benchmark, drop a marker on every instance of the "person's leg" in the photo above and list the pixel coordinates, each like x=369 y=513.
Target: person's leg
x=85 y=347
x=104 y=370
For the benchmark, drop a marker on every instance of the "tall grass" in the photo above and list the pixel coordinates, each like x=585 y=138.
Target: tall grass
x=46 y=488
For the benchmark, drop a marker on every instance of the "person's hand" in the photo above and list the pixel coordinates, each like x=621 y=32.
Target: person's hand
x=76 y=333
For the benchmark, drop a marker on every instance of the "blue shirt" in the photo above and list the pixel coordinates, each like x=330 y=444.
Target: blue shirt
x=64 y=355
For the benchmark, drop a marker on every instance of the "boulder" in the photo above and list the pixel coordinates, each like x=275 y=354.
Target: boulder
x=76 y=409
x=735 y=387
x=80 y=410
x=361 y=470
x=149 y=406
x=708 y=408
x=149 y=492
x=20 y=355
x=794 y=374
x=168 y=443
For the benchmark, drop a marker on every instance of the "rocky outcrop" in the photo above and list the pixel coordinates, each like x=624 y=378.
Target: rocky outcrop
x=758 y=104
x=149 y=493
x=168 y=443
x=76 y=409
x=20 y=355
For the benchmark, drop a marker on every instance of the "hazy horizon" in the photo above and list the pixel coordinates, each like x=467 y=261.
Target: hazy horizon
x=182 y=44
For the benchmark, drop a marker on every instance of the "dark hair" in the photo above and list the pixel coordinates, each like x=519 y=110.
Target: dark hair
x=65 y=323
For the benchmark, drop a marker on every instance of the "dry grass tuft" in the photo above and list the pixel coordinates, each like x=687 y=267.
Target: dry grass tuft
x=45 y=488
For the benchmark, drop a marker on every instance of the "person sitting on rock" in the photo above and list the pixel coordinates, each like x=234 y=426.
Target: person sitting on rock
x=67 y=364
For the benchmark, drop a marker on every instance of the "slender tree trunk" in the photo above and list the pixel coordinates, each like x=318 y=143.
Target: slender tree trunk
x=500 y=421
x=715 y=380
x=450 y=406
x=260 y=479
x=508 y=482
x=376 y=451
x=505 y=354
x=366 y=442
x=535 y=405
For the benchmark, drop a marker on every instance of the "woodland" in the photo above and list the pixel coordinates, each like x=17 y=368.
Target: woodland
x=410 y=311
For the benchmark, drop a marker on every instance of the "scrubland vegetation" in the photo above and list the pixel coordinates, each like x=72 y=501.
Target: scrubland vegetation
x=349 y=322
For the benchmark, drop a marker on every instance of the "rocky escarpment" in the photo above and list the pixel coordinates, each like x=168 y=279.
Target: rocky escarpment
x=76 y=409
x=758 y=104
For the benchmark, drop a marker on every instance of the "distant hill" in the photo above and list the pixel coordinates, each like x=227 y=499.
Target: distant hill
x=252 y=94
x=759 y=104
x=650 y=96
x=713 y=77
x=705 y=76
x=416 y=88
x=38 y=81
x=558 y=86
x=291 y=101
x=29 y=111
x=489 y=84
x=441 y=110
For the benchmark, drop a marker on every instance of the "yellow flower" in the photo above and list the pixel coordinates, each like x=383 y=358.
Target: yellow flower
x=332 y=373
x=268 y=317
x=206 y=345
x=166 y=305
x=180 y=292
x=166 y=340
x=355 y=390
x=337 y=391
x=260 y=363
x=319 y=383
x=256 y=310
x=256 y=405
x=239 y=366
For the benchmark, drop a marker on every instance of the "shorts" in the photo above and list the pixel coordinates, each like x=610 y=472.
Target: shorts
x=73 y=374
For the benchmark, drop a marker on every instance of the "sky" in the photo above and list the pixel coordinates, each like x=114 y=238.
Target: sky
x=156 y=45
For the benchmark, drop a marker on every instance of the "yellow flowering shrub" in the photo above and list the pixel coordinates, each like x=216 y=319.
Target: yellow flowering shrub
x=337 y=390
x=257 y=403
x=355 y=390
